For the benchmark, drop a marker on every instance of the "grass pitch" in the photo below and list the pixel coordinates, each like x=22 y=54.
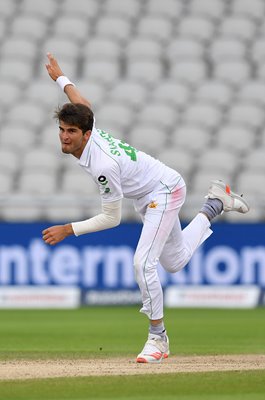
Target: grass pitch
x=117 y=331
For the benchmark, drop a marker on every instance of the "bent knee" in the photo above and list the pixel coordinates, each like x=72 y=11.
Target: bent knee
x=178 y=263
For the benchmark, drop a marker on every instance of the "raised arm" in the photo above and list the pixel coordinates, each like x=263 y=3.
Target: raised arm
x=70 y=90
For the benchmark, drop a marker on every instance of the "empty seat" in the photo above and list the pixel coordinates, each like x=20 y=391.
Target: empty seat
x=196 y=27
x=29 y=113
x=129 y=92
x=236 y=138
x=184 y=48
x=251 y=9
x=19 y=137
x=7 y=8
x=218 y=160
x=22 y=208
x=251 y=183
x=191 y=72
x=128 y=9
x=148 y=138
x=101 y=47
x=143 y=48
x=113 y=127
x=114 y=27
x=2 y=27
x=118 y=113
x=82 y=8
x=43 y=92
x=64 y=49
x=45 y=9
x=172 y=92
x=9 y=71
x=9 y=160
x=145 y=71
x=257 y=50
x=191 y=138
x=160 y=114
x=176 y=158
x=10 y=93
x=103 y=71
x=7 y=182
x=37 y=182
x=71 y=27
x=261 y=139
x=93 y=90
x=246 y=114
x=207 y=115
x=64 y=207
x=214 y=91
x=18 y=48
x=40 y=158
x=168 y=8
x=155 y=27
x=260 y=72
x=232 y=72
x=254 y=160
x=78 y=182
x=29 y=27
x=226 y=48
x=239 y=27
x=213 y=9
x=260 y=30
x=253 y=91
x=202 y=179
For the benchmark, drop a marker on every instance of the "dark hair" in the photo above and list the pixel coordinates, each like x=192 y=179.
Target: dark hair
x=77 y=115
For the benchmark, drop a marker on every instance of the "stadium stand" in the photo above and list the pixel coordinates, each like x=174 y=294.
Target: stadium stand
x=181 y=79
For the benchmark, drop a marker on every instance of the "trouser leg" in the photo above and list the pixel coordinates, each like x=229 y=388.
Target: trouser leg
x=158 y=223
x=153 y=237
x=163 y=239
x=181 y=244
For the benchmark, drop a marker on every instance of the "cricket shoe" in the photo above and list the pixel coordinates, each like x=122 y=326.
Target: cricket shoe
x=231 y=201
x=155 y=350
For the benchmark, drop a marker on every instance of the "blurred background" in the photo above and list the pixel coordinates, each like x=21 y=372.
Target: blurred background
x=183 y=80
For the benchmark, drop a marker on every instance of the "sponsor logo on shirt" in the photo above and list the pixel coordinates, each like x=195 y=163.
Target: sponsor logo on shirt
x=104 y=182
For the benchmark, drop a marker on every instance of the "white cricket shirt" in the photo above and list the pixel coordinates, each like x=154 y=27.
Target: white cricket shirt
x=119 y=169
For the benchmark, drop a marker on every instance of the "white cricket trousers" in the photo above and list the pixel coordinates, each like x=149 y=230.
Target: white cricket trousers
x=163 y=240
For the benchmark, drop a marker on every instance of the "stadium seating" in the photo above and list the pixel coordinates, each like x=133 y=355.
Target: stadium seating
x=183 y=80
x=172 y=92
x=215 y=92
x=191 y=138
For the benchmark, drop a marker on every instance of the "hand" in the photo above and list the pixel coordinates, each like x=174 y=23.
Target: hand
x=53 y=67
x=57 y=233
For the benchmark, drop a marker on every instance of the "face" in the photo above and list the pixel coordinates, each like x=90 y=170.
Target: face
x=73 y=140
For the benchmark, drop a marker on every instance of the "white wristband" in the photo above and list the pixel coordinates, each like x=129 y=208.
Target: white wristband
x=62 y=81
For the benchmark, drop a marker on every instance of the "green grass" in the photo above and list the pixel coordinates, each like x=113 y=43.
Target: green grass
x=220 y=386
x=34 y=334
x=122 y=331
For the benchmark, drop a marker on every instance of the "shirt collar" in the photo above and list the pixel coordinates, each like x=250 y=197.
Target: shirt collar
x=83 y=160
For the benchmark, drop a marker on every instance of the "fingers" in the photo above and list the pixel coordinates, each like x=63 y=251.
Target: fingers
x=52 y=59
x=48 y=237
